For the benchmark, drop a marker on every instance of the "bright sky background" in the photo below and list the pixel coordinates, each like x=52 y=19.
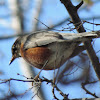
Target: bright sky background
x=53 y=12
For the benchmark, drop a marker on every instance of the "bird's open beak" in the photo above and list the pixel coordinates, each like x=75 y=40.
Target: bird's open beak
x=12 y=59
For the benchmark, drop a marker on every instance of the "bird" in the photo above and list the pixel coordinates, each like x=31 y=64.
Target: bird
x=49 y=48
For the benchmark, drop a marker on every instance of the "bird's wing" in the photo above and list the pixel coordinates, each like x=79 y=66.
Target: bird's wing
x=42 y=38
x=46 y=37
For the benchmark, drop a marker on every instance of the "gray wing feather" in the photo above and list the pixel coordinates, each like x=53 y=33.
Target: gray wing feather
x=42 y=38
x=47 y=37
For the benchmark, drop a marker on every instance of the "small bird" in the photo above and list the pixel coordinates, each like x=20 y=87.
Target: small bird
x=49 y=48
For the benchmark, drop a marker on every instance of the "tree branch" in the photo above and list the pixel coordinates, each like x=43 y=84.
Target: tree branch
x=77 y=22
x=79 y=5
x=39 y=81
x=87 y=91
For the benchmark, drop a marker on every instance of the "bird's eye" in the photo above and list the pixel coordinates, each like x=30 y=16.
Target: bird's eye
x=14 y=50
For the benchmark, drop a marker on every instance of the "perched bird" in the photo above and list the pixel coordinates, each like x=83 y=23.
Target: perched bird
x=52 y=48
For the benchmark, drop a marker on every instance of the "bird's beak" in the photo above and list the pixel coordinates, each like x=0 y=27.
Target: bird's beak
x=12 y=59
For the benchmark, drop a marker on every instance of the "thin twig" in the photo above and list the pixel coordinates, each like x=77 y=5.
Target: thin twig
x=36 y=82
x=55 y=86
x=87 y=91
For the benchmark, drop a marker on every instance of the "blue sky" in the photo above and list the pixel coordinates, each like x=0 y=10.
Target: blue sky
x=53 y=12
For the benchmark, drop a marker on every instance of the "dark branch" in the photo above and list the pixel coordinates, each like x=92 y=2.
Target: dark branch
x=79 y=5
x=87 y=91
x=77 y=22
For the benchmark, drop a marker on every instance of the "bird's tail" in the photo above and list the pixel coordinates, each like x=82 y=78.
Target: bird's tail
x=85 y=36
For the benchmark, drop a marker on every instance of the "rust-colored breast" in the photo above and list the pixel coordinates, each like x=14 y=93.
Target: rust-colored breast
x=36 y=56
